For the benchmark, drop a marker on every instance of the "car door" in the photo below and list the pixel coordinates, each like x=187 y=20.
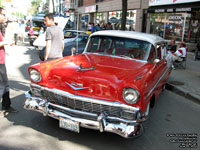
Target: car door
x=157 y=74
x=162 y=66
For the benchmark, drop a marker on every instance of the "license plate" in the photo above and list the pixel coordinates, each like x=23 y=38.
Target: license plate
x=69 y=125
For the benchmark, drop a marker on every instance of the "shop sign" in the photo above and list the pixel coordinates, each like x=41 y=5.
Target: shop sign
x=90 y=9
x=182 y=9
x=175 y=17
x=170 y=10
x=159 y=10
x=169 y=2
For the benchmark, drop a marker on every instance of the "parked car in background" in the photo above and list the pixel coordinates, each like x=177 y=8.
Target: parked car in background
x=70 y=35
x=79 y=42
x=73 y=33
x=35 y=26
x=109 y=87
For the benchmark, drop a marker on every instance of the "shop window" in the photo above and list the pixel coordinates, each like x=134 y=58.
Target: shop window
x=116 y=16
x=177 y=26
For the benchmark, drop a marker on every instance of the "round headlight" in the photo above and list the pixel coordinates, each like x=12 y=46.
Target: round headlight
x=35 y=75
x=131 y=95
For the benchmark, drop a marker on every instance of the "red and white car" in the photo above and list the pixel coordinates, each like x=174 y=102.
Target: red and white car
x=109 y=87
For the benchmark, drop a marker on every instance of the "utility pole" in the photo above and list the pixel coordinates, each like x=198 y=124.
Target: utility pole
x=124 y=14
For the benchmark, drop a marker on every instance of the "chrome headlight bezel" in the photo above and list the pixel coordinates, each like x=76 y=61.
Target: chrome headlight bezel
x=35 y=75
x=130 y=95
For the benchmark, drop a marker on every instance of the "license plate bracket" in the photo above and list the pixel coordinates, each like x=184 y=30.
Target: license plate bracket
x=69 y=125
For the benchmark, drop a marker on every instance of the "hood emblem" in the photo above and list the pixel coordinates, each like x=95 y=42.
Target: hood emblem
x=76 y=86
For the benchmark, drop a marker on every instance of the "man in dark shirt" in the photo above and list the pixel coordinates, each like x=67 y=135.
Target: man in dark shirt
x=172 y=46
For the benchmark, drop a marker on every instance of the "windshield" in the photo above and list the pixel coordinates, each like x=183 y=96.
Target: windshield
x=122 y=47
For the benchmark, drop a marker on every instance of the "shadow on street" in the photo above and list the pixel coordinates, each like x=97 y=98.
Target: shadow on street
x=91 y=138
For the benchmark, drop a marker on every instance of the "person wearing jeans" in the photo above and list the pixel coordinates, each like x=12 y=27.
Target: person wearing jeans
x=4 y=87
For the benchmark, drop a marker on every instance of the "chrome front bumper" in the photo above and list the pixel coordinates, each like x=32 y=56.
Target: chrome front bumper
x=123 y=128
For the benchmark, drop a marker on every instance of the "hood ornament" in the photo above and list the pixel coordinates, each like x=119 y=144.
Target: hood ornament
x=81 y=68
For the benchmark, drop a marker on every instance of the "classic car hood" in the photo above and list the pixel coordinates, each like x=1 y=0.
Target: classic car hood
x=93 y=75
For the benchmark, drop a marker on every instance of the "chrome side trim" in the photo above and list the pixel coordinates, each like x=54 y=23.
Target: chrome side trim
x=157 y=83
x=87 y=99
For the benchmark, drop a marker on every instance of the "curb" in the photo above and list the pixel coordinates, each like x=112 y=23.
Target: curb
x=183 y=92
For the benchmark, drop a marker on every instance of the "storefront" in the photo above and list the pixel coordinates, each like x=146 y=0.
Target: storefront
x=114 y=18
x=102 y=12
x=180 y=21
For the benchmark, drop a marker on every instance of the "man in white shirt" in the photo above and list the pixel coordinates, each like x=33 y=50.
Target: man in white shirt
x=178 y=54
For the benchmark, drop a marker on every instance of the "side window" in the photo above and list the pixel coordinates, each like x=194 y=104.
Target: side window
x=105 y=44
x=159 y=52
x=152 y=55
x=118 y=44
x=94 y=44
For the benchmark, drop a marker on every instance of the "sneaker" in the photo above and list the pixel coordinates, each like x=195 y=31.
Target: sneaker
x=2 y=114
x=173 y=67
x=11 y=110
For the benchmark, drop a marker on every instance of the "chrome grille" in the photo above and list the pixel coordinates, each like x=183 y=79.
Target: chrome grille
x=82 y=105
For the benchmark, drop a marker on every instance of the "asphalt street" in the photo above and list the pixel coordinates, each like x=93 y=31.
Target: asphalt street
x=172 y=119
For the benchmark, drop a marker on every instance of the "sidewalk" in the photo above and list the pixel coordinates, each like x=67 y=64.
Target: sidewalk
x=186 y=82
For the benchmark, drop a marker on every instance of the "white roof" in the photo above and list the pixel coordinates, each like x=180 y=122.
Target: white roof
x=130 y=34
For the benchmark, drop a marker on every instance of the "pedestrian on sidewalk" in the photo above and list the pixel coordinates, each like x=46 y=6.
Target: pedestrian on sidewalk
x=54 y=39
x=22 y=30
x=89 y=26
x=172 y=46
x=4 y=87
x=93 y=28
x=178 y=54
x=16 y=31
x=41 y=31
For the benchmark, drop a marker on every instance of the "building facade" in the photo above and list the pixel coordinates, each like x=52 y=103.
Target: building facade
x=104 y=11
x=175 y=19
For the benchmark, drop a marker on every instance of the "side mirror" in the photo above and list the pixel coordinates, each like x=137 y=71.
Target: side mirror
x=156 y=61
